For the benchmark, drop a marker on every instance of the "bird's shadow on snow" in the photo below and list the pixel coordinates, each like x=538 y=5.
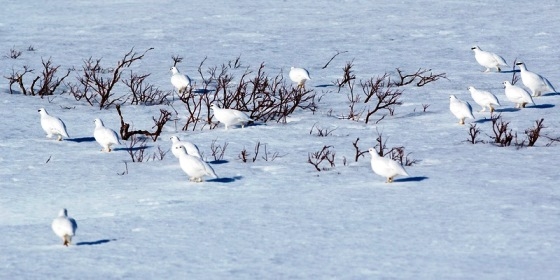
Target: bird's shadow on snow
x=219 y=161
x=225 y=179
x=504 y=110
x=483 y=120
x=551 y=94
x=202 y=91
x=132 y=148
x=542 y=106
x=411 y=179
x=324 y=85
x=98 y=242
x=509 y=71
x=81 y=139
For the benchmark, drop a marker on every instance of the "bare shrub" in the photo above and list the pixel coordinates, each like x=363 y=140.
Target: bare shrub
x=328 y=62
x=359 y=152
x=514 y=76
x=323 y=155
x=425 y=107
x=159 y=123
x=143 y=92
x=348 y=76
x=382 y=93
x=42 y=85
x=395 y=153
x=13 y=54
x=265 y=97
x=218 y=151
x=474 y=132
x=503 y=136
x=320 y=131
x=244 y=155
x=421 y=76
x=136 y=148
x=96 y=87
x=534 y=133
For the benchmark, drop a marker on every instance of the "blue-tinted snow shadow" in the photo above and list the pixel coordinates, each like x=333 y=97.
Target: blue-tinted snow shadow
x=483 y=120
x=503 y=110
x=81 y=139
x=324 y=85
x=541 y=106
x=219 y=161
x=98 y=242
x=225 y=179
x=132 y=149
x=202 y=91
x=509 y=71
x=551 y=94
x=411 y=179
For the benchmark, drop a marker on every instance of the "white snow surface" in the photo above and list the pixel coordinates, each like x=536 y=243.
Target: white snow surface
x=466 y=211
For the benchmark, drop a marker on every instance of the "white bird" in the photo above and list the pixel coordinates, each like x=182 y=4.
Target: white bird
x=105 y=136
x=299 y=76
x=484 y=98
x=535 y=82
x=179 y=81
x=52 y=125
x=191 y=148
x=461 y=109
x=64 y=227
x=230 y=116
x=489 y=59
x=193 y=166
x=517 y=95
x=385 y=167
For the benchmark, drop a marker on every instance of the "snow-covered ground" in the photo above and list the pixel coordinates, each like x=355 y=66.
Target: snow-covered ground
x=466 y=212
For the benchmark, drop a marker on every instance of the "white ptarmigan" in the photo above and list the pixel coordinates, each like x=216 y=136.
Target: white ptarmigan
x=52 y=125
x=194 y=167
x=461 y=109
x=180 y=81
x=191 y=148
x=534 y=82
x=484 y=98
x=105 y=136
x=299 y=76
x=517 y=95
x=230 y=116
x=64 y=227
x=385 y=167
x=489 y=59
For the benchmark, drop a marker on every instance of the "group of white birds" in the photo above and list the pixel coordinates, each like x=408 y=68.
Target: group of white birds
x=535 y=83
x=196 y=168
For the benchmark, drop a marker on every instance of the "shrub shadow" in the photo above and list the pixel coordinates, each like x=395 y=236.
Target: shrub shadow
x=98 y=242
x=411 y=179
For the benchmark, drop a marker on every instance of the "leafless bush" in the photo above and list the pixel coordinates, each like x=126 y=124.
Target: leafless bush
x=320 y=131
x=337 y=53
x=325 y=154
x=503 y=136
x=266 y=98
x=31 y=48
x=474 y=132
x=244 y=155
x=421 y=76
x=534 y=133
x=348 y=76
x=395 y=153
x=514 y=76
x=176 y=59
x=96 y=87
x=218 y=151
x=13 y=54
x=159 y=123
x=143 y=92
x=136 y=148
x=383 y=94
x=359 y=153
x=425 y=107
x=42 y=85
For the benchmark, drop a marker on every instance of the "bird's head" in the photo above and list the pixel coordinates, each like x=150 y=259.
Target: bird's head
x=506 y=83
x=475 y=48
x=174 y=138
